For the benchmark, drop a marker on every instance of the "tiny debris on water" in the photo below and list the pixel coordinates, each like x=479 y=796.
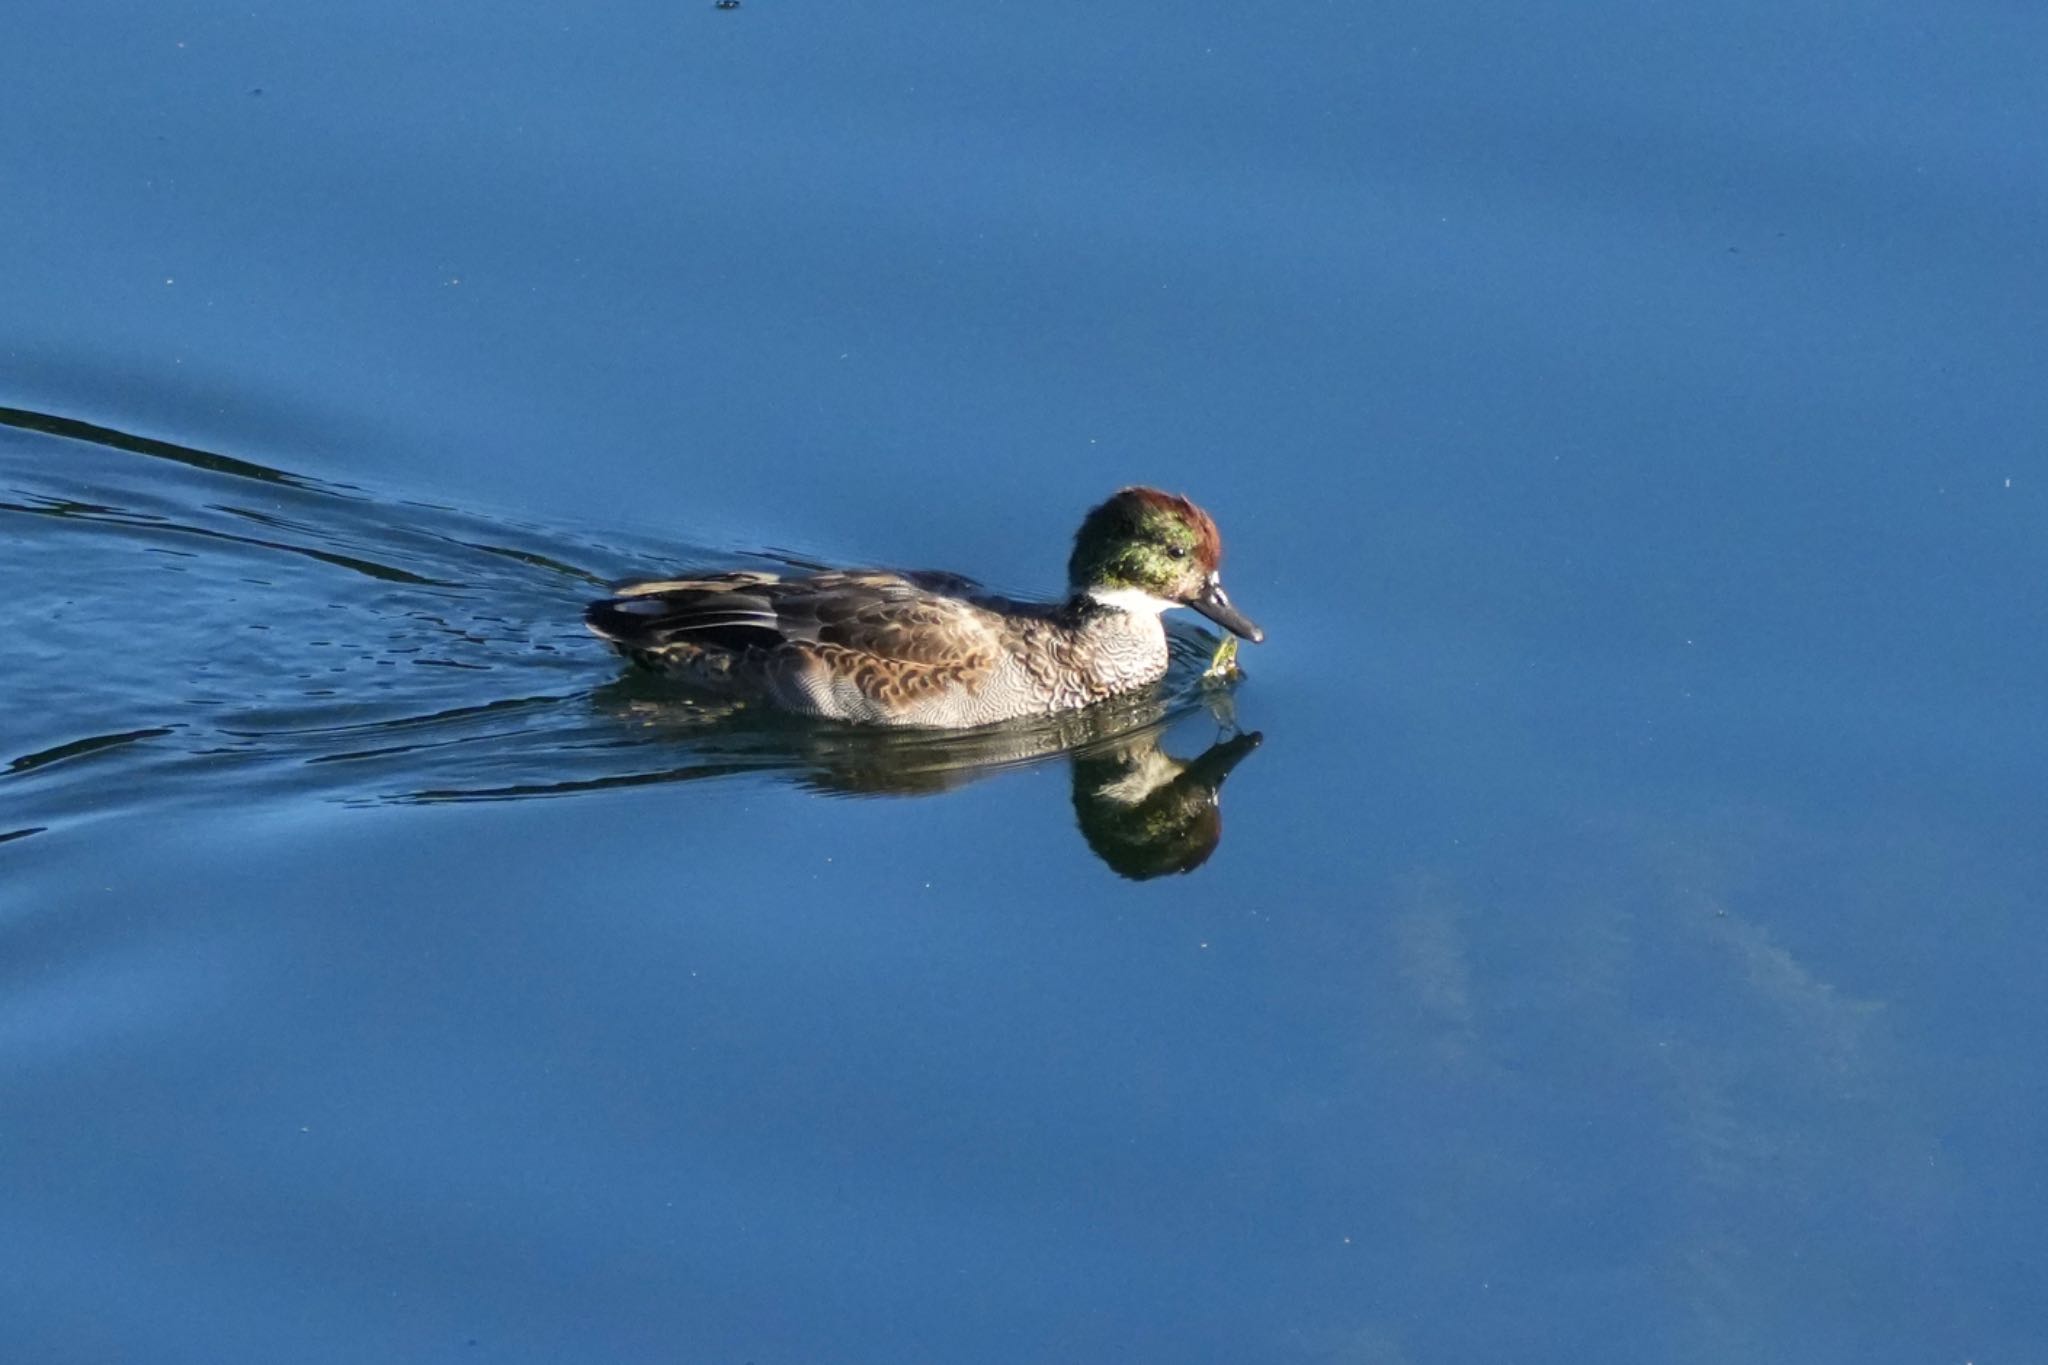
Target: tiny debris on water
x=727 y=4
x=1223 y=664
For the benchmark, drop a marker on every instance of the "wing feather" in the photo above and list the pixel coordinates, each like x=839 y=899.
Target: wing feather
x=895 y=637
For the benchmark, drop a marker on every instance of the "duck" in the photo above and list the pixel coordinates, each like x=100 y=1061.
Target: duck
x=932 y=649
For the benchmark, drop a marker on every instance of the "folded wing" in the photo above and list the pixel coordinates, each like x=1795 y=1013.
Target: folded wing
x=892 y=636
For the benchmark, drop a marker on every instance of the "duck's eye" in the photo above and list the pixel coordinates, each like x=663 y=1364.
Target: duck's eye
x=1178 y=551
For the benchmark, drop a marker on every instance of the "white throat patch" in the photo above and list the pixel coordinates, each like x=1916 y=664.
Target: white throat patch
x=1134 y=600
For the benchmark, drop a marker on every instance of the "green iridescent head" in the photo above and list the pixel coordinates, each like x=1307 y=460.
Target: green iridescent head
x=1148 y=550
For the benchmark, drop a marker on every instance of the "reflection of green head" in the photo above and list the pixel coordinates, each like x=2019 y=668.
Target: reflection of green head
x=1148 y=540
x=1147 y=814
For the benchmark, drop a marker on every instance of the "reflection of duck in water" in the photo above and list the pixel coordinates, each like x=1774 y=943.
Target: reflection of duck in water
x=931 y=649
x=1143 y=811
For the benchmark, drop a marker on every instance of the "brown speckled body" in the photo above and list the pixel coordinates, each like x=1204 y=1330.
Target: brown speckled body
x=883 y=648
x=934 y=649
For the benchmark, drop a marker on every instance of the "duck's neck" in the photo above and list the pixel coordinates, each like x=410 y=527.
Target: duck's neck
x=1135 y=601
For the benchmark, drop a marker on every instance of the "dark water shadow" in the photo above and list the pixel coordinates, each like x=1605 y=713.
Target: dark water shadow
x=195 y=630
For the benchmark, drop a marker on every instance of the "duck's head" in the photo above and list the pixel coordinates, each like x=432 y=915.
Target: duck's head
x=1144 y=550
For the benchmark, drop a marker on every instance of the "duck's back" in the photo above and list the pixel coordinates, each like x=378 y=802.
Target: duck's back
x=866 y=646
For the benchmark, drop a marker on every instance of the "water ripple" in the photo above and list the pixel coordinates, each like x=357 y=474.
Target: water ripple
x=213 y=630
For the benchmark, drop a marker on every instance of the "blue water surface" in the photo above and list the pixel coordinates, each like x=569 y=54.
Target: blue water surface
x=1618 y=938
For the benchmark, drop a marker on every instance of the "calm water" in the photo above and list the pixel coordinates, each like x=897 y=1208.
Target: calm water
x=1618 y=937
